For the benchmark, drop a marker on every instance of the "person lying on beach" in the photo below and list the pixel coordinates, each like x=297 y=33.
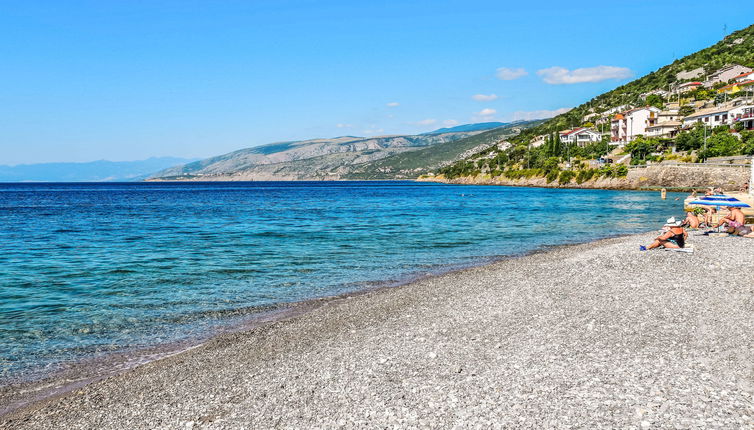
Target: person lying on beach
x=673 y=238
x=691 y=221
x=733 y=221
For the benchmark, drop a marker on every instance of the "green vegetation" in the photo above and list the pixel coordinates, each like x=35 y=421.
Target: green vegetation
x=414 y=163
x=554 y=158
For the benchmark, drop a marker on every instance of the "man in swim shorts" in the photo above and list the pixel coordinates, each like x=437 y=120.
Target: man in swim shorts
x=733 y=221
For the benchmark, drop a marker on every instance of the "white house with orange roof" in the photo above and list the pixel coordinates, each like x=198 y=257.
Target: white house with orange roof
x=581 y=136
x=626 y=126
x=743 y=77
x=687 y=87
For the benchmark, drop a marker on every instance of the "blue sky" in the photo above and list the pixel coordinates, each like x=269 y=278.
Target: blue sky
x=118 y=80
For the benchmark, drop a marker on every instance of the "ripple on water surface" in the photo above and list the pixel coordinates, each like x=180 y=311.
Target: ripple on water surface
x=92 y=268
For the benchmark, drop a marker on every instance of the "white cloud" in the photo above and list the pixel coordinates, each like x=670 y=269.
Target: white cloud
x=393 y=104
x=484 y=97
x=428 y=121
x=373 y=130
x=449 y=122
x=484 y=115
x=344 y=126
x=509 y=74
x=560 y=75
x=537 y=114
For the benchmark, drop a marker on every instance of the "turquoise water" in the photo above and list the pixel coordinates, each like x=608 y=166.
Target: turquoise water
x=90 y=268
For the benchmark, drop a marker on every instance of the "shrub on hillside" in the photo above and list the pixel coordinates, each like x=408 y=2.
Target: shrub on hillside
x=565 y=176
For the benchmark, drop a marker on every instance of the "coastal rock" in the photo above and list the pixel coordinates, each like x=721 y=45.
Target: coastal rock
x=659 y=176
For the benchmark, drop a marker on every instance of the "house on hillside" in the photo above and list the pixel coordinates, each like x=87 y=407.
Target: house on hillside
x=687 y=87
x=580 y=136
x=617 y=109
x=742 y=114
x=664 y=129
x=725 y=74
x=743 y=77
x=538 y=141
x=736 y=87
x=667 y=116
x=711 y=117
x=627 y=125
x=662 y=93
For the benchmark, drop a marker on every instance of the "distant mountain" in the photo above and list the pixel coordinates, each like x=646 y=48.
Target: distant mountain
x=481 y=126
x=303 y=160
x=95 y=171
x=427 y=160
x=345 y=157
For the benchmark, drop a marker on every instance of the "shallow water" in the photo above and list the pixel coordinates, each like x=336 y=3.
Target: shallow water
x=91 y=268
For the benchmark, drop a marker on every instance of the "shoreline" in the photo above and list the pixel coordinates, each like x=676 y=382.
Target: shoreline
x=340 y=334
x=71 y=376
x=675 y=177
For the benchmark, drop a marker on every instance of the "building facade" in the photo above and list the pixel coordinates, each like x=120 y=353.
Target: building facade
x=580 y=136
x=711 y=117
x=626 y=126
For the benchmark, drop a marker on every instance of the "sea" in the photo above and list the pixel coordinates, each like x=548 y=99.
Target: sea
x=91 y=269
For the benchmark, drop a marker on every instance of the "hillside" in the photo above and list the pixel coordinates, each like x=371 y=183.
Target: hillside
x=314 y=159
x=426 y=160
x=737 y=48
x=658 y=88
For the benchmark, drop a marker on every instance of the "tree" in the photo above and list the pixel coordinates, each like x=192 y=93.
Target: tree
x=686 y=110
x=747 y=141
x=690 y=140
x=641 y=147
x=655 y=100
x=551 y=164
x=721 y=145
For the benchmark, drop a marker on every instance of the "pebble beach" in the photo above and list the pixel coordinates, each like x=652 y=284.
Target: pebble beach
x=598 y=335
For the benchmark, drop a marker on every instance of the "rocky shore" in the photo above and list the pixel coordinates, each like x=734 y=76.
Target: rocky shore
x=597 y=335
x=692 y=176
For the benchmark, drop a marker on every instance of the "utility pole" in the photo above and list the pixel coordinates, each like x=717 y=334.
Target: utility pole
x=528 y=155
x=751 y=179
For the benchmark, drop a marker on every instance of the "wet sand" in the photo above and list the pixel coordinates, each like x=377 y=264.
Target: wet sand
x=593 y=335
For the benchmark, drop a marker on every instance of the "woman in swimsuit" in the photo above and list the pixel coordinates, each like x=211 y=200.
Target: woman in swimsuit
x=674 y=237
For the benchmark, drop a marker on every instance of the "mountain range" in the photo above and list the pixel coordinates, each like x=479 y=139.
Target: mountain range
x=94 y=171
x=346 y=157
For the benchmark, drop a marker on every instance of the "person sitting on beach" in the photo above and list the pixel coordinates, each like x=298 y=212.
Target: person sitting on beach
x=709 y=210
x=691 y=221
x=673 y=238
x=744 y=188
x=734 y=222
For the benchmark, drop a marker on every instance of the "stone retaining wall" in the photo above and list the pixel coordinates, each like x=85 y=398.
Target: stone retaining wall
x=691 y=176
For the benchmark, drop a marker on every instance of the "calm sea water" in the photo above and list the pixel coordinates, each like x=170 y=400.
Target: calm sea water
x=91 y=268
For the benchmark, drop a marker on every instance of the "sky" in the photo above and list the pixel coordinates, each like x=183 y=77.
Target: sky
x=129 y=80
